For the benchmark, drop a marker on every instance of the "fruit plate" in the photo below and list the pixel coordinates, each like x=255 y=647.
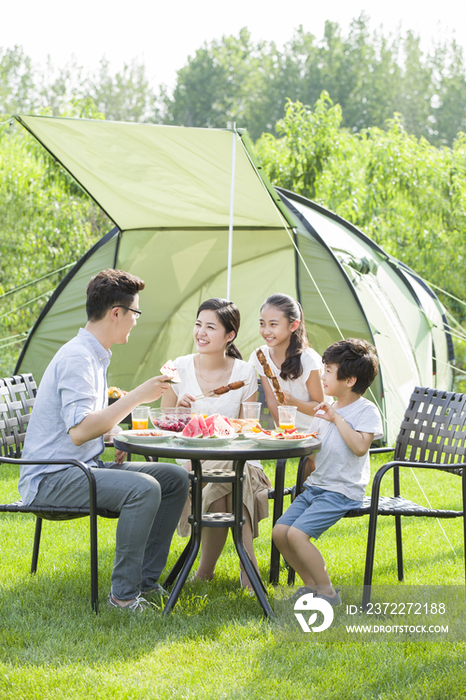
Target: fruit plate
x=207 y=441
x=144 y=437
x=269 y=440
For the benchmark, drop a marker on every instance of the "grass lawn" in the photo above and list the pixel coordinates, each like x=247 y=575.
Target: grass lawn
x=216 y=643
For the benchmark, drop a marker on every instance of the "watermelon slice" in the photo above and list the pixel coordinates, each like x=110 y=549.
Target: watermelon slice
x=222 y=428
x=169 y=370
x=203 y=427
x=192 y=429
x=210 y=419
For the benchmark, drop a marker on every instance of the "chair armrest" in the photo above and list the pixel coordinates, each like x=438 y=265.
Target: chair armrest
x=70 y=462
x=378 y=476
x=380 y=450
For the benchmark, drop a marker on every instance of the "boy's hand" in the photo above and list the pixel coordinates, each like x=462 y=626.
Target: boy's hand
x=325 y=411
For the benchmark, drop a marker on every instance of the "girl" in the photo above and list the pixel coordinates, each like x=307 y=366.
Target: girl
x=291 y=358
x=216 y=363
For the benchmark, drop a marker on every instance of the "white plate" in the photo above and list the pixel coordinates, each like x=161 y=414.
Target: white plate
x=263 y=439
x=144 y=437
x=210 y=441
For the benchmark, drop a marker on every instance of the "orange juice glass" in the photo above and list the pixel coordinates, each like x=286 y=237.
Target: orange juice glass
x=140 y=417
x=287 y=417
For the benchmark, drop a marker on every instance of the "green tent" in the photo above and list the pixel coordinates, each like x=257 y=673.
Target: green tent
x=195 y=217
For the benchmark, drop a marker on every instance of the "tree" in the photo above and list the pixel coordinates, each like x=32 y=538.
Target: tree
x=46 y=224
x=403 y=192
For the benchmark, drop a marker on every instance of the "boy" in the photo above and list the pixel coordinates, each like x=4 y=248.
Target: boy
x=68 y=421
x=342 y=466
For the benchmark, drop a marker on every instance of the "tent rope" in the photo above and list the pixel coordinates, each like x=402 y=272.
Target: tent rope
x=39 y=279
x=27 y=303
x=430 y=506
x=19 y=337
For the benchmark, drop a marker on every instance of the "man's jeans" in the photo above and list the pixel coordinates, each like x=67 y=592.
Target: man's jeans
x=149 y=497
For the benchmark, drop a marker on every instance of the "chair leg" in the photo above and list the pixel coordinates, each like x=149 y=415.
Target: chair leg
x=35 y=550
x=94 y=565
x=399 y=544
x=368 y=571
x=399 y=548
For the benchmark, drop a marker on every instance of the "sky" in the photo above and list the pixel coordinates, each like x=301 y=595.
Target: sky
x=163 y=34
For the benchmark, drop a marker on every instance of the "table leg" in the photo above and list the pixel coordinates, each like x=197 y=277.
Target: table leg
x=237 y=500
x=189 y=554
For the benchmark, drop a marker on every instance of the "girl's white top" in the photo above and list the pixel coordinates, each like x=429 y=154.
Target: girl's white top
x=310 y=360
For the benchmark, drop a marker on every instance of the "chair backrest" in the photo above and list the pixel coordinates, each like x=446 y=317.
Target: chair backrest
x=433 y=428
x=17 y=395
x=266 y=419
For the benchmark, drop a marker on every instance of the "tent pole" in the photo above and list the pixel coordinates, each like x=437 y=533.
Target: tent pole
x=230 y=227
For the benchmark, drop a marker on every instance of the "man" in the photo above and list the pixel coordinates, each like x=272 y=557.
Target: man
x=68 y=421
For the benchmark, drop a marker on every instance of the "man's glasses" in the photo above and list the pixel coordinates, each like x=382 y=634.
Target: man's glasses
x=135 y=311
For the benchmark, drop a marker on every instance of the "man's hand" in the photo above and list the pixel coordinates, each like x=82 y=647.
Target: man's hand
x=120 y=456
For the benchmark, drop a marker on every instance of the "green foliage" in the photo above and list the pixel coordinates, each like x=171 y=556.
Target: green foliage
x=370 y=76
x=403 y=192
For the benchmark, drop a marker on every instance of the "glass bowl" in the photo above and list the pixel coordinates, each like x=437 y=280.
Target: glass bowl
x=174 y=419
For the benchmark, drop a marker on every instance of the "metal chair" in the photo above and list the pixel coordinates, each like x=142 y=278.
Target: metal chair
x=17 y=396
x=432 y=436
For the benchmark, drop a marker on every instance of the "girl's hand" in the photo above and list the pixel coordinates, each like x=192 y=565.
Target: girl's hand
x=325 y=411
x=289 y=399
x=185 y=401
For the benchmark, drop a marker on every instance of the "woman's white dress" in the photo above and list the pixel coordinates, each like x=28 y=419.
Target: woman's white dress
x=256 y=484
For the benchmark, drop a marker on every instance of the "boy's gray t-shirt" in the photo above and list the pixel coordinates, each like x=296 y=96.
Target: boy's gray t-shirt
x=337 y=467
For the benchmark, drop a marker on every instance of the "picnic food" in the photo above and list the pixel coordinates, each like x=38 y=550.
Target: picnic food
x=214 y=426
x=233 y=386
x=173 y=419
x=270 y=375
x=278 y=435
x=148 y=433
x=169 y=370
x=115 y=393
x=243 y=425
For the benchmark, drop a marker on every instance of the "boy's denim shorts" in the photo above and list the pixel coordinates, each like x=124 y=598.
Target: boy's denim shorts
x=315 y=510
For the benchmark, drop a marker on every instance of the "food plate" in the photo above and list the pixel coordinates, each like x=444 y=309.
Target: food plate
x=145 y=437
x=209 y=441
x=263 y=439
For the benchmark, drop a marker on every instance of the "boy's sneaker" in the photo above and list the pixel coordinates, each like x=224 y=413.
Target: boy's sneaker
x=301 y=591
x=336 y=600
x=138 y=604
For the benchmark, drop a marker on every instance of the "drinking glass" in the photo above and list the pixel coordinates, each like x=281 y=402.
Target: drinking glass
x=252 y=410
x=287 y=417
x=140 y=417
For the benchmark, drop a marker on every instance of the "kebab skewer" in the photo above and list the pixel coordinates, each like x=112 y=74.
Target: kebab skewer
x=233 y=386
x=270 y=375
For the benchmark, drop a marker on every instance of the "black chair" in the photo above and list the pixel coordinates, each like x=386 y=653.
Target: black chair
x=17 y=396
x=432 y=436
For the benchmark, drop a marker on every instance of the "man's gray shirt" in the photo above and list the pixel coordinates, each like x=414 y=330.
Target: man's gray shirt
x=74 y=385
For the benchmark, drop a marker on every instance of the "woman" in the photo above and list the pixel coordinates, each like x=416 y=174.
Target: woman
x=216 y=363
